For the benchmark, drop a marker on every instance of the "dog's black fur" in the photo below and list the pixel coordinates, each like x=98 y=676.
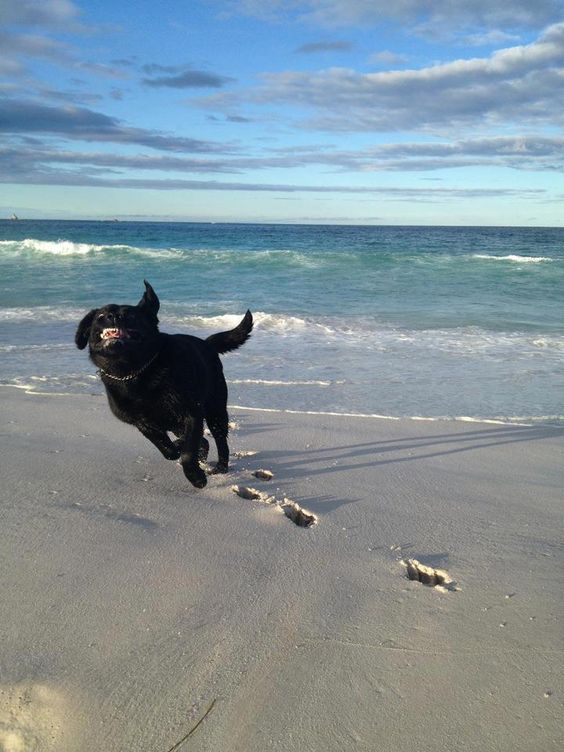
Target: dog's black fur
x=163 y=382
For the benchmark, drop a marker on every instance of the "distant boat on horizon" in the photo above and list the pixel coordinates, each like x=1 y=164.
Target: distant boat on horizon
x=14 y=218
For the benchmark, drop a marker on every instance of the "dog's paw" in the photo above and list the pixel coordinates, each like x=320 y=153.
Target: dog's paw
x=220 y=468
x=196 y=476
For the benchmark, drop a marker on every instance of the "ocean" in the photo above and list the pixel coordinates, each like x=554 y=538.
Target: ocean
x=433 y=322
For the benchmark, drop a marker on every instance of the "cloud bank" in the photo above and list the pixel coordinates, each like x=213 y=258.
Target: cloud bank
x=427 y=16
x=523 y=84
x=79 y=123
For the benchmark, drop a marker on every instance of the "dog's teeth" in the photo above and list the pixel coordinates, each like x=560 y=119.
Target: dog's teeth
x=110 y=332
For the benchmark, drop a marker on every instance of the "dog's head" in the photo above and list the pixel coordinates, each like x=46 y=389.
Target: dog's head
x=120 y=331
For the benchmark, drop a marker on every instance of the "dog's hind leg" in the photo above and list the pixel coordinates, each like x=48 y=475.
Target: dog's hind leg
x=190 y=445
x=219 y=427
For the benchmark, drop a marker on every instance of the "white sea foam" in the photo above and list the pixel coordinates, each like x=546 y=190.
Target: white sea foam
x=54 y=248
x=283 y=324
x=269 y=322
x=31 y=386
x=515 y=258
x=365 y=332
x=41 y=314
x=218 y=323
x=49 y=348
x=70 y=384
x=372 y=334
x=275 y=382
x=62 y=248
x=517 y=421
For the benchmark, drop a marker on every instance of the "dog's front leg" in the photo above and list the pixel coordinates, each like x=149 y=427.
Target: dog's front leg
x=190 y=444
x=161 y=440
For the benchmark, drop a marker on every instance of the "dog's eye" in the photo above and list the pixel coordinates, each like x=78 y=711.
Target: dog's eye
x=100 y=316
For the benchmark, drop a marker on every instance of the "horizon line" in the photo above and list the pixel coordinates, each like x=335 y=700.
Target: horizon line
x=14 y=220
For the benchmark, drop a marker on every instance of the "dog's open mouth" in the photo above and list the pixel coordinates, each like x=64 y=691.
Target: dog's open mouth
x=114 y=333
x=111 y=335
x=117 y=335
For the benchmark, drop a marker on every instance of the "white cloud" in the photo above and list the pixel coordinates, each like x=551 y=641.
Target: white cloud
x=35 y=158
x=43 y=13
x=490 y=38
x=93 y=177
x=428 y=15
x=530 y=153
x=522 y=84
x=32 y=45
x=17 y=47
x=46 y=19
x=387 y=58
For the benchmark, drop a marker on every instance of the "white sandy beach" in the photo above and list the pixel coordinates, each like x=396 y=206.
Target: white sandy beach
x=132 y=603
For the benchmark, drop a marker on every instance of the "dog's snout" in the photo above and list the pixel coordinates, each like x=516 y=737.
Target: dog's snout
x=114 y=318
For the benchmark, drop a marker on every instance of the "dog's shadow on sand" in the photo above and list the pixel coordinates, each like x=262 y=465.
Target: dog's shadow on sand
x=319 y=461
x=107 y=511
x=253 y=428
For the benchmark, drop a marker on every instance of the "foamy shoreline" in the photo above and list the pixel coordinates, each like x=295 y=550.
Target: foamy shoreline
x=547 y=420
x=134 y=606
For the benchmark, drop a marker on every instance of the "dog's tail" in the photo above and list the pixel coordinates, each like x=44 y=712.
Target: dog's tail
x=227 y=341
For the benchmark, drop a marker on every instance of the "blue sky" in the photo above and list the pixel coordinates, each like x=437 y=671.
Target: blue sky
x=338 y=111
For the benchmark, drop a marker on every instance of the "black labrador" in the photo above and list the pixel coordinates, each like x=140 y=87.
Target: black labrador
x=164 y=382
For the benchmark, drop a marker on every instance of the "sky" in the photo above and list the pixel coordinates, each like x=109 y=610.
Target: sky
x=425 y=112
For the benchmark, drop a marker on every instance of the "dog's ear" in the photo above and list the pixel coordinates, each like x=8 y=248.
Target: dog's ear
x=83 y=332
x=149 y=302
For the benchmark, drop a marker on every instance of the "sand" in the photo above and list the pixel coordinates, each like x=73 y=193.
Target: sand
x=134 y=605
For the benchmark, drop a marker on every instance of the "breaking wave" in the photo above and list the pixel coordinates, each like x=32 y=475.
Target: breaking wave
x=513 y=257
x=260 y=258
x=68 y=248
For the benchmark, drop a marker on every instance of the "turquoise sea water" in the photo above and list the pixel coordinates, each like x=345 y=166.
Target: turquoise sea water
x=398 y=321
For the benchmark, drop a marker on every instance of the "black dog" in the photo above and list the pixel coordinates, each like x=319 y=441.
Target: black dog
x=164 y=382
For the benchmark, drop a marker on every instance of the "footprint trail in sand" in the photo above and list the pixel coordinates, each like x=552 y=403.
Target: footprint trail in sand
x=297 y=514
